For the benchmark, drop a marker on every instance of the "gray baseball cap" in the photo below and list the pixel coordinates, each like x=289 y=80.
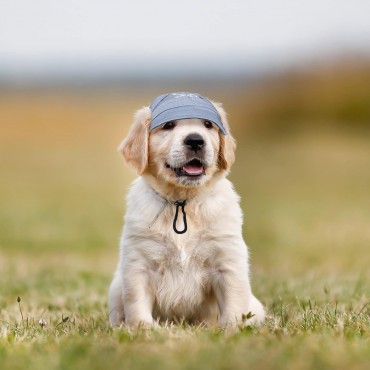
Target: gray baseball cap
x=181 y=105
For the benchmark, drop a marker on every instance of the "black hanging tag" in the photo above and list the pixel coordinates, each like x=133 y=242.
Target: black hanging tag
x=181 y=204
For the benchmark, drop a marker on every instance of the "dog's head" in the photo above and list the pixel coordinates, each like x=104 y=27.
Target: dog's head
x=184 y=152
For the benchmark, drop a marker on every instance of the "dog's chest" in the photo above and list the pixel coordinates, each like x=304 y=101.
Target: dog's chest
x=182 y=253
x=185 y=255
x=180 y=275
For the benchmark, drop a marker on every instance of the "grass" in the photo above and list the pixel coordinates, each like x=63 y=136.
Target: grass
x=299 y=333
x=307 y=213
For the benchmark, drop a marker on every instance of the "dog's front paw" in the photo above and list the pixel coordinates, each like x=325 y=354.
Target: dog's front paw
x=230 y=321
x=143 y=323
x=256 y=314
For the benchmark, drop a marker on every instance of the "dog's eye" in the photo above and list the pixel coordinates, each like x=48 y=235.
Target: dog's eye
x=208 y=124
x=168 y=125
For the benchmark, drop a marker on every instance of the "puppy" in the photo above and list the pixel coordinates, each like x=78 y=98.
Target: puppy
x=182 y=254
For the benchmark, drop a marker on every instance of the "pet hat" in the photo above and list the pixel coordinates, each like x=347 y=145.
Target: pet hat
x=182 y=105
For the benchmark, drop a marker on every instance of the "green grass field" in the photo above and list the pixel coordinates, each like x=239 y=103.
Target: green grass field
x=307 y=222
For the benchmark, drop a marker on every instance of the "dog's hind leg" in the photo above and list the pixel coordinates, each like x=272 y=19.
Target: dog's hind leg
x=256 y=308
x=116 y=310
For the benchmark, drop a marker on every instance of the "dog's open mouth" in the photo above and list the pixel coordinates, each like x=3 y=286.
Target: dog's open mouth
x=193 y=168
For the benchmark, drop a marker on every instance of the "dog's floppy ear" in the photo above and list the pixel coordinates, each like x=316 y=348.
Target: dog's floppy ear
x=226 y=155
x=135 y=146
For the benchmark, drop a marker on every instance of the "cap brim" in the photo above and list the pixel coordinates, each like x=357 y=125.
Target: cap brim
x=186 y=112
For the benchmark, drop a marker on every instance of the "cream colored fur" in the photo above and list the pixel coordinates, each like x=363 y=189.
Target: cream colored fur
x=199 y=276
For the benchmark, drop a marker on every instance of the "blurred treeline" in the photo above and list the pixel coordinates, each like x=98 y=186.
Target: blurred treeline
x=332 y=95
x=329 y=95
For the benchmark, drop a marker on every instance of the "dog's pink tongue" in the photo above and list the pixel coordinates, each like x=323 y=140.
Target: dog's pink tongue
x=192 y=169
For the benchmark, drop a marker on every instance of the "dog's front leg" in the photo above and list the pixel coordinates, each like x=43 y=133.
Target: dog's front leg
x=233 y=294
x=138 y=298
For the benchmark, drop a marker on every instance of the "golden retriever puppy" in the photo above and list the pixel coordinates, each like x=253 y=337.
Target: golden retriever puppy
x=182 y=254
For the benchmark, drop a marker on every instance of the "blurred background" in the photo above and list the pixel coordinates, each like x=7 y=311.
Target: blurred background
x=294 y=77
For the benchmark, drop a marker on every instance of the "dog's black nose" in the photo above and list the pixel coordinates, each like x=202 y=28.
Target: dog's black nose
x=194 y=142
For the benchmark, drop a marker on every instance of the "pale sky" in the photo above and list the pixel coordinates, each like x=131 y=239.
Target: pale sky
x=35 y=34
